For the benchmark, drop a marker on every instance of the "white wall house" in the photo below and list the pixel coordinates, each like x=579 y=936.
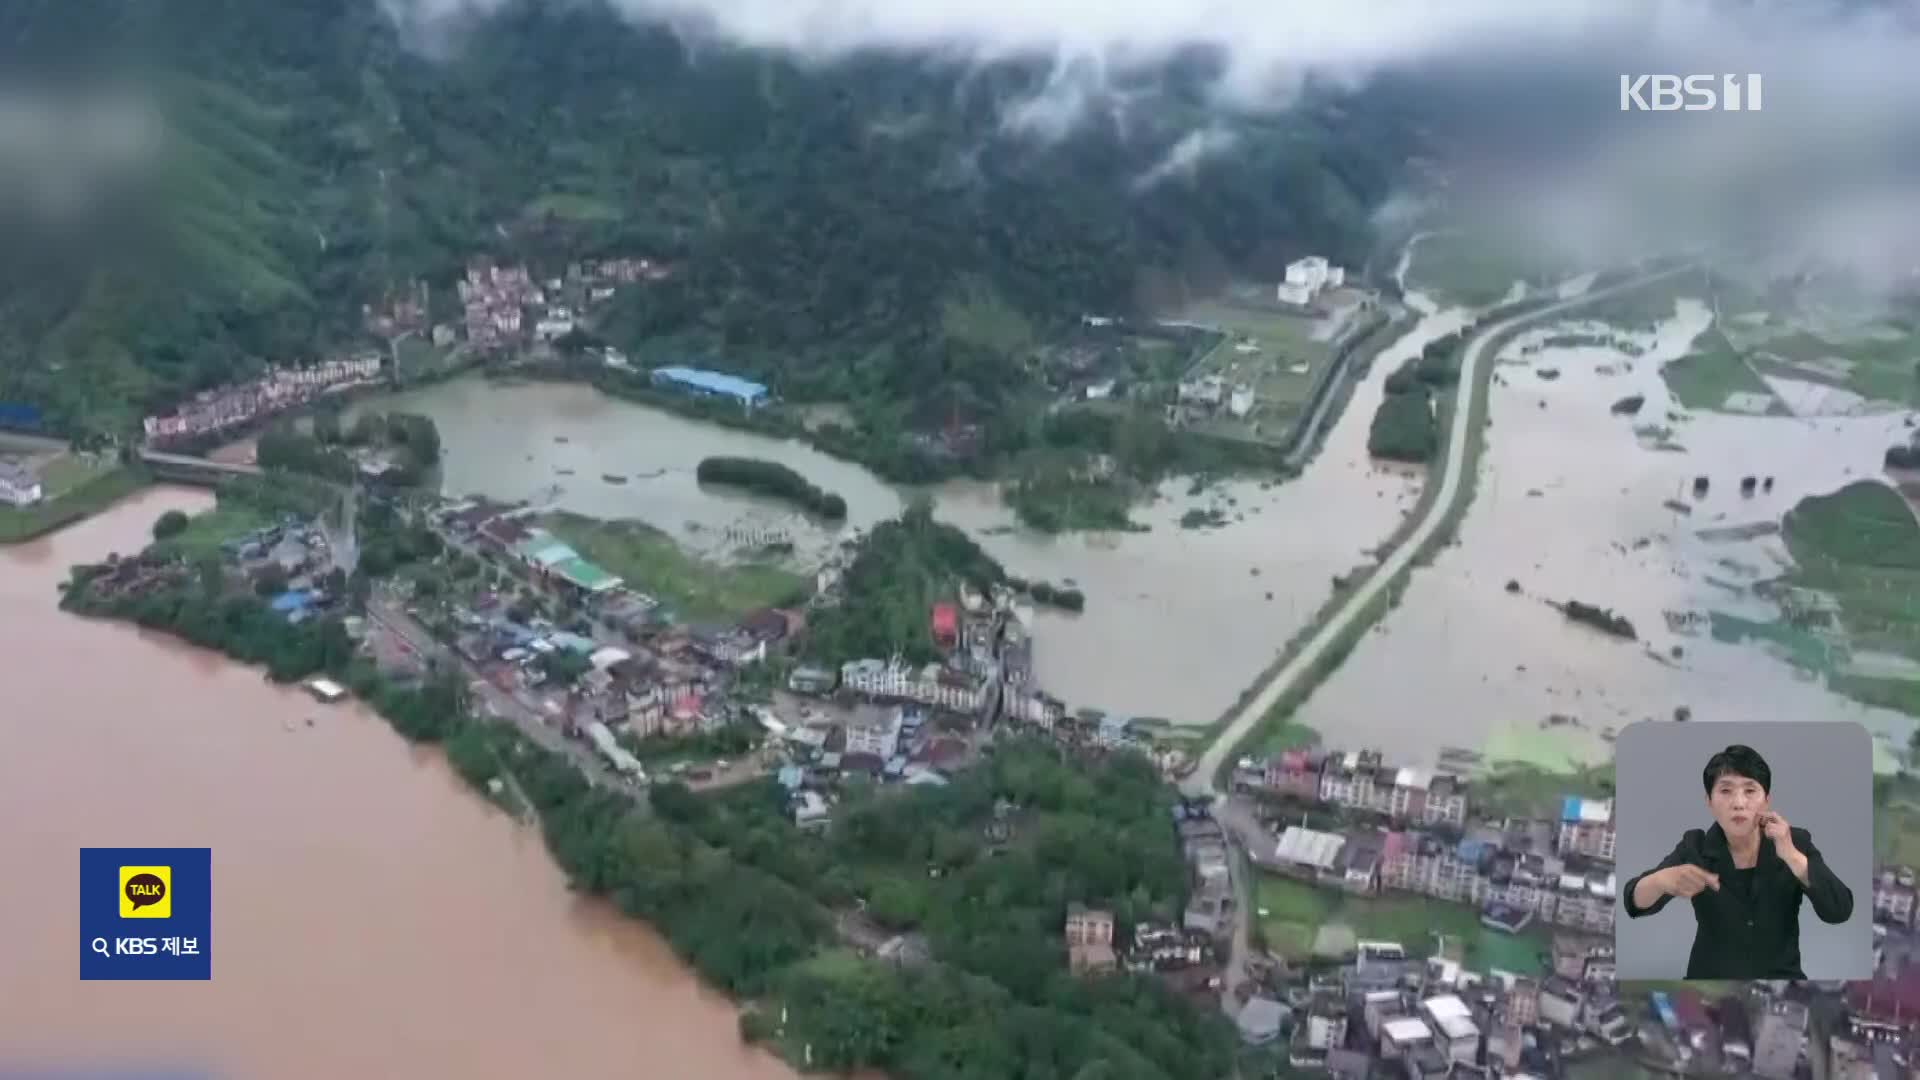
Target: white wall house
x=1307 y=277
x=18 y=487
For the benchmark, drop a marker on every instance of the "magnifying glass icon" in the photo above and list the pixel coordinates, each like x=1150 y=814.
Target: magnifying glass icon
x=100 y=946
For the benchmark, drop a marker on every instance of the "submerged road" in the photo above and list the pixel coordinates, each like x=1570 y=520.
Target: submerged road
x=1452 y=489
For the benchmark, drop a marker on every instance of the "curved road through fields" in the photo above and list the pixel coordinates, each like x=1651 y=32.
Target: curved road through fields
x=1201 y=781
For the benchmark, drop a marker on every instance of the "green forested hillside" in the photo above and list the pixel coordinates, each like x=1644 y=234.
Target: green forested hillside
x=823 y=219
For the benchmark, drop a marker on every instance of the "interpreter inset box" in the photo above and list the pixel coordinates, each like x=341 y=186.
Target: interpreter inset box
x=1744 y=850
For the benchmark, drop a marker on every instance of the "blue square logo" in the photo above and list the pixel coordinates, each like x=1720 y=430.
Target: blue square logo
x=146 y=913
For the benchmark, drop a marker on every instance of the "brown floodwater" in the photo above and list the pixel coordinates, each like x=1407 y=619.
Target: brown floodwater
x=1178 y=621
x=372 y=916
x=1572 y=504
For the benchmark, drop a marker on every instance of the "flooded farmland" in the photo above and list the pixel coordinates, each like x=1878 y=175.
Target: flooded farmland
x=1576 y=501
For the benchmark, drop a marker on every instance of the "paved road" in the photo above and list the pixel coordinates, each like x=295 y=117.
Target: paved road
x=498 y=702
x=1310 y=434
x=1201 y=780
x=1246 y=837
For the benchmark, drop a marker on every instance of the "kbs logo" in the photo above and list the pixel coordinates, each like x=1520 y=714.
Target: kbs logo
x=1690 y=93
x=169 y=891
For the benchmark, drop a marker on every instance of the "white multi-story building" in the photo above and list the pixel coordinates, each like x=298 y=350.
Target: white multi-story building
x=1206 y=390
x=1306 y=278
x=1586 y=828
x=18 y=486
x=876 y=678
x=1454 y=1032
x=1893 y=898
x=874 y=730
x=557 y=324
x=932 y=685
x=1358 y=779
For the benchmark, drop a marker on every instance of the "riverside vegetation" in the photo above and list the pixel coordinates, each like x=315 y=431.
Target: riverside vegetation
x=1861 y=546
x=749 y=901
x=902 y=569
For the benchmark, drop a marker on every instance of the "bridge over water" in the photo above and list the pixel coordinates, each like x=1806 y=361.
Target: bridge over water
x=192 y=470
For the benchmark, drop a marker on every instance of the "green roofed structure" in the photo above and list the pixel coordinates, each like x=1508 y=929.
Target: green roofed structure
x=585 y=576
x=546 y=553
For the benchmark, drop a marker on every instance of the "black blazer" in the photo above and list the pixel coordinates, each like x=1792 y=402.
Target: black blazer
x=1758 y=939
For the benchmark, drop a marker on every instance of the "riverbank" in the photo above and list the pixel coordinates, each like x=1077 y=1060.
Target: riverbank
x=747 y=899
x=333 y=840
x=58 y=510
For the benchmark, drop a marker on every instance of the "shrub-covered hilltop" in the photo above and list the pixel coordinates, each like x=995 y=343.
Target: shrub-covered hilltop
x=755 y=904
x=873 y=231
x=771 y=478
x=903 y=568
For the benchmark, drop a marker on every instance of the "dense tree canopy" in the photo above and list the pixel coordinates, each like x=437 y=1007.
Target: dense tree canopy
x=855 y=230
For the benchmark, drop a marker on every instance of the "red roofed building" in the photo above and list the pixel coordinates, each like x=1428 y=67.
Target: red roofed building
x=1295 y=773
x=1889 y=999
x=946 y=626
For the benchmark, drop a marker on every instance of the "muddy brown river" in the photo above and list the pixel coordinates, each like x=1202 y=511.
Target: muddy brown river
x=372 y=917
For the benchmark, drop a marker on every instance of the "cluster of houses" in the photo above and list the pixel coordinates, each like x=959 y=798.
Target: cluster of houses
x=874 y=744
x=987 y=670
x=290 y=551
x=1204 y=845
x=1556 y=871
x=1187 y=954
x=494 y=300
x=510 y=535
x=1382 y=1013
x=213 y=411
x=1211 y=395
x=1306 y=279
x=1560 y=871
x=1183 y=957
x=663 y=676
x=505 y=306
x=292 y=554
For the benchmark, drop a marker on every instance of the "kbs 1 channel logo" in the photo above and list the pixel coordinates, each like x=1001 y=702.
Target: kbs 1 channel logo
x=146 y=914
x=1691 y=93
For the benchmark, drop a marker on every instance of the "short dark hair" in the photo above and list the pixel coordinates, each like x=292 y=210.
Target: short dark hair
x=1737 y=760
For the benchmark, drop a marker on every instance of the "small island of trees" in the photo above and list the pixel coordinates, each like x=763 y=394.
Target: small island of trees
x=771 y=478
x=1407 y=426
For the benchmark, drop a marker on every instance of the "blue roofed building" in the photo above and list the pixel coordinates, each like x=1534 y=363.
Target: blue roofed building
x=1586 y=827
x=574 y=643
x=711 y=384
x=289 y=602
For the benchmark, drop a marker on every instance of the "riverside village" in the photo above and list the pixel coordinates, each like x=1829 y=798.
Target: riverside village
x=1353 y=916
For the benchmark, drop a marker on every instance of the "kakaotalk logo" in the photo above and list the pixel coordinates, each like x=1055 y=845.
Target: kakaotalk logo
x=1689 y=93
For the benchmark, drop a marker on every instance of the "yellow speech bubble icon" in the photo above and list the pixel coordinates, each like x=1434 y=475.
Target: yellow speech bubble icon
x=146 y=892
